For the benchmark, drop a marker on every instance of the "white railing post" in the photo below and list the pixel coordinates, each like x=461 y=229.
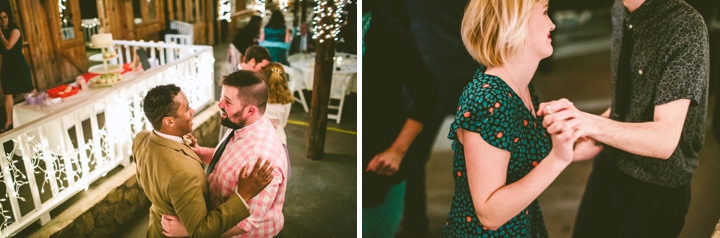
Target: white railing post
x=80 y=137
x=30 y=173
x=49 y=165
x=10 y=188
x=70 y=174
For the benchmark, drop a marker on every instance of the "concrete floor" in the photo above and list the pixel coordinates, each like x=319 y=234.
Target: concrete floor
x=585 y=80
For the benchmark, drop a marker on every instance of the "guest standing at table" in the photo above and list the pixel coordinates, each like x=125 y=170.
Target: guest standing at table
x=246 y=37
x=15 y=71
x=277 y=36
x=304 y=42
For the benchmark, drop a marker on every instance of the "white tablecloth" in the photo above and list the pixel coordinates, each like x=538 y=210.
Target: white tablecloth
x=348 y=70
x=23 y=113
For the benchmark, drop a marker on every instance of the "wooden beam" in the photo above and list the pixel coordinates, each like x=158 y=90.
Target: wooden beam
x=322 y=81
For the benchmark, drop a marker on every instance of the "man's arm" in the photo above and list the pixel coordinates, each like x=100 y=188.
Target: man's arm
x=656 y=139
x=204 y=153
x=259 y=205
x=186 y=196
x=388 y=161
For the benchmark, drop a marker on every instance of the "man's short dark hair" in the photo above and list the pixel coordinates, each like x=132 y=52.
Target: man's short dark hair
x=159 y=103
x=258 y=53
x=251 y=88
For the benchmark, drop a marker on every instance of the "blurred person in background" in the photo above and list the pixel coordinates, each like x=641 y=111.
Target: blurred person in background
x=393 y=70
x=246 y=37
x=277 y=34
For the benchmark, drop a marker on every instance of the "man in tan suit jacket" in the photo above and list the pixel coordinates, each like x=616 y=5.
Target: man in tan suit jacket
x=172 y=175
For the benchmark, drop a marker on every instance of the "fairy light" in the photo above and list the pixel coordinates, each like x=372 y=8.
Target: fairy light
x=224 y=8
x=61 y=8
x=328 y=19
x=260 y=6
x=284 y=5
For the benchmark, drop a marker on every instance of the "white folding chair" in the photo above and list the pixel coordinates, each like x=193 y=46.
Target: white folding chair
x=338 y=90
x=296 y=84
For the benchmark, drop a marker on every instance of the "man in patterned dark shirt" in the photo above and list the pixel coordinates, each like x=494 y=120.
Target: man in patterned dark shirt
x=640 y=183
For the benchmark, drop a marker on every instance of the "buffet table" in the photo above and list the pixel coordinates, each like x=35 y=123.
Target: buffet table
x=23 y=113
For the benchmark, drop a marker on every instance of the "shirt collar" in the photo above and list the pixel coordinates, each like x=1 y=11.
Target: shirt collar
x=171 y=137
x=254 y=127
x=645 y=11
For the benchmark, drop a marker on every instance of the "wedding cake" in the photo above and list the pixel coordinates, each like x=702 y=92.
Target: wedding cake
x=102 y=40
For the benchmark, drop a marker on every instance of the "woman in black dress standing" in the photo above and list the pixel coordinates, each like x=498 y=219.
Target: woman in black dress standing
x=246 y=37
x=15 y=71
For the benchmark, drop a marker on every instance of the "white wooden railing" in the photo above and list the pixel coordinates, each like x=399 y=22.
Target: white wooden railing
x=183 y=28
x=185 y=33
x=45 y=167
x=67 y=33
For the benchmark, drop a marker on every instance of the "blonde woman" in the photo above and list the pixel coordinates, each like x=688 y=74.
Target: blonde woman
x=280 y=100
x=503 y=157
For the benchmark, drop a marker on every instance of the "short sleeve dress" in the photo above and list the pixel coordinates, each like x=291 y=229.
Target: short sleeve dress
x=15 y=75
x=489 y=106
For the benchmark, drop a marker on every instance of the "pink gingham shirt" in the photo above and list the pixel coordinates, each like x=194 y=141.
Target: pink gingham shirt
x=257 y=140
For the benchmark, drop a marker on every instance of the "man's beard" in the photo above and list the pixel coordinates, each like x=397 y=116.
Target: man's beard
x=229 y=124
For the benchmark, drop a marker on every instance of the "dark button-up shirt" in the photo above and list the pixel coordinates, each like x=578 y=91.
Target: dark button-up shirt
x=669 y=61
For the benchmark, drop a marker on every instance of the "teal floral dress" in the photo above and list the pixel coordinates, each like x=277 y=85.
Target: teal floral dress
x=489 y=106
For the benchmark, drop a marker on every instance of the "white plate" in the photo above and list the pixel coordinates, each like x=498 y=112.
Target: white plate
x=100 y=47
x=98 y=57
x=100 y=69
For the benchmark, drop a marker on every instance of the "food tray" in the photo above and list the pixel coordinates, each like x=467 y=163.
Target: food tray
x=60 y=91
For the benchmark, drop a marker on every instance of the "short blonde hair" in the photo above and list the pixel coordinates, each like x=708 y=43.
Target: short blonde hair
x=494 y=29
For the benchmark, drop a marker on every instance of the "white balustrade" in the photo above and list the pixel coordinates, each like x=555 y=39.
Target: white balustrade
x=183 y=28
x=46 y=167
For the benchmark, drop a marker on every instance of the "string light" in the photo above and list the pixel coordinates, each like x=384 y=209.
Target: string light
x=224 y=9
x=61 y=8
x=260 y=7
x=53 y=166
x=328 y=19
x=284 y=5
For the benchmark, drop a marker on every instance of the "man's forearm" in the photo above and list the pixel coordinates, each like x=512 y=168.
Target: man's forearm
x=407 y=135
x=233 y=232
x=646 y=138
x=205 y=153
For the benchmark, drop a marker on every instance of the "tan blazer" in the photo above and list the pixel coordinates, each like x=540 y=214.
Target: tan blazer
x=172 y=177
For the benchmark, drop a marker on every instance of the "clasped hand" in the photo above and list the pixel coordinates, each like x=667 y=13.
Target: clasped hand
x=565 y=124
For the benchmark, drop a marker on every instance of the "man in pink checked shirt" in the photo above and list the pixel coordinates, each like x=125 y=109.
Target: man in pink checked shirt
x=251 y=135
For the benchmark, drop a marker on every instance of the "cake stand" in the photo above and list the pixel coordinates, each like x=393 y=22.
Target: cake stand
x=104 y=68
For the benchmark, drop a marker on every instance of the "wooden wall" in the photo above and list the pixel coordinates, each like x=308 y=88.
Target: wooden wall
x=53 y=61
x=204 y=23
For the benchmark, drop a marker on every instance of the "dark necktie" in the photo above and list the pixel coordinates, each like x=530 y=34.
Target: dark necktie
x=218 y=152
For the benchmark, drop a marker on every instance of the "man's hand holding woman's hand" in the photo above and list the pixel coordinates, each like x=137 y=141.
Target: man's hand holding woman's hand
x=563 y=123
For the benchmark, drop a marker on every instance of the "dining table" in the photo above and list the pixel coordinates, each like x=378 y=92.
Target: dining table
x=344 y=70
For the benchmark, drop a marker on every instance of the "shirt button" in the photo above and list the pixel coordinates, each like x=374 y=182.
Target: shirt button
x=630 y=26
x=640 y=72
